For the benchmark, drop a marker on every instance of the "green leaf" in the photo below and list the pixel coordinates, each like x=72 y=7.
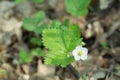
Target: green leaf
x=55 y=24
x=118 y=70
x=77 y=7
x=37 y=1
x=37 y=52
x=104 y=44
x=19 y=1
x=32 y=23
x=40 y=28
x=66 y=22
x=36 y=41
x=75 y=37
x=60 y=42
x=40 y=16
x=2 y=73
x=24 y=57
x=62 y=59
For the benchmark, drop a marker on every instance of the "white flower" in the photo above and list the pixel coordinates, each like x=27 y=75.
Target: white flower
x=80 y=53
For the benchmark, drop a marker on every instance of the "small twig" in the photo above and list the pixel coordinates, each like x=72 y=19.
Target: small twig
x=74 y=71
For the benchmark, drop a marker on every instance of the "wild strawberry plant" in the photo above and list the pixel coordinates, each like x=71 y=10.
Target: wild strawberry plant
x=62 y=39
x=34 y=24
x=77 y=7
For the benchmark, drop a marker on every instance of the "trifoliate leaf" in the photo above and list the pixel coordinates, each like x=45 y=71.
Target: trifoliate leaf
x=77 y=7
x=32 y=23
x=60 y=42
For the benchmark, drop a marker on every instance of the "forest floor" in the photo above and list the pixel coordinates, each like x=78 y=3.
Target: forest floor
x=100 y=30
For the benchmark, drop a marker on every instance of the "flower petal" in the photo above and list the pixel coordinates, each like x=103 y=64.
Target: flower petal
x=74 y=52
x=84 y=57
x=78 y=48
x=85 y=50
x=77 y=57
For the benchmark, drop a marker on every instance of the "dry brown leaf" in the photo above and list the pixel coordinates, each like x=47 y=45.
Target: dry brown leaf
x=9 y=28
x=45 y=71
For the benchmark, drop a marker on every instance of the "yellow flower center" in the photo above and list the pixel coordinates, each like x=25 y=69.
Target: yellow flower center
x=80 y=53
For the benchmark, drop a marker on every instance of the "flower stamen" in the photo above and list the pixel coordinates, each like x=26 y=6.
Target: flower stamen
x=80 y=53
